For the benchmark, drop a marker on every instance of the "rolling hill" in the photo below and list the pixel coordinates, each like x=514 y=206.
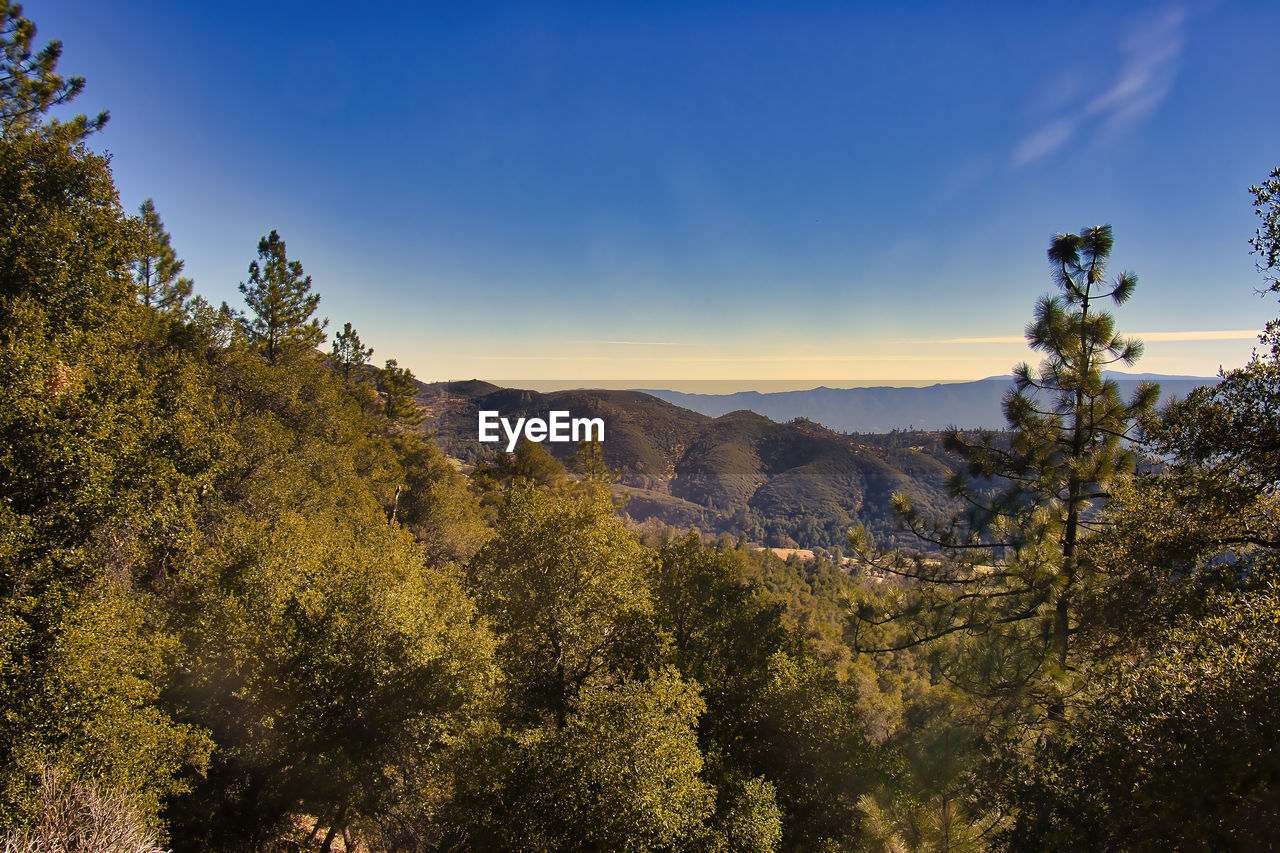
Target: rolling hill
x=781 y=484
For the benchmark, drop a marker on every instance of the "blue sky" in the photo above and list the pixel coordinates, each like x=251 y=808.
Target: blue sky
x=740 y=191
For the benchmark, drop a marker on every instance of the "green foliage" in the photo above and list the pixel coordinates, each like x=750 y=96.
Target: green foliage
x=397 y=386
x=813 y=594
x=102 y=448
x=158 y=269
x=807 y=738
x=1203 y=519
x=437 y=504
x=67 y=249
x=635 y=765
x=326 y=671
x=280 y=297
x=29 y=83
x=529 y=465
x=564 y=584
x=1013 y=584
x=349 y=353
x=749 y=819
x=333 y=666
x=1172 y=750
x=1205 y=522
x=1265 y=242
x=622 y=773
x=776 y=712
x=90 y=707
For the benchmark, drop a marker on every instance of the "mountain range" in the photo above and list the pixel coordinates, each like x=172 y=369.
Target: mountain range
x=968 y=405
x=796 y=484
x=789 y=469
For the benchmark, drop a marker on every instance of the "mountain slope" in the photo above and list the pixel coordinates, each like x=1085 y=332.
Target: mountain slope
x=784 y=484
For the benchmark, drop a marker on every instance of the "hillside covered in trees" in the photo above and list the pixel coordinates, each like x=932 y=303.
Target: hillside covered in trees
x=788 y=485
x=246 y=606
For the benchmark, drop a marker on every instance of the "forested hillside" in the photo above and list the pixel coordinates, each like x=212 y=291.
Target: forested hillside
x=246 y=606
x=788 y=485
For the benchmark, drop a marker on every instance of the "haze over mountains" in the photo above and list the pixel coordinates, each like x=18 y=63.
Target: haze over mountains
x=967 y=405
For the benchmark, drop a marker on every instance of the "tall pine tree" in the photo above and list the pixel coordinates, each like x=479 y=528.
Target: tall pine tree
x=280 y=297
x=158 y=268
x=1013 y=583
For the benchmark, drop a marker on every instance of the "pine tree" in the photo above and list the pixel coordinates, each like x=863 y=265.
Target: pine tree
x=158 y=268
x=29 y=84
x=280 y=297
x=1013 y=583
x=349 y=352
x=398 y=388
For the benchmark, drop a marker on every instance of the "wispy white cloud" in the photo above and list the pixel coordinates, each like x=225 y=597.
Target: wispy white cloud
x=1207 y=335
x=756 y=359
x=1147 y=69
x=637 y=343
x=995 y=339
x=1145 y=78
x=1191 y=335
x=1044 y=141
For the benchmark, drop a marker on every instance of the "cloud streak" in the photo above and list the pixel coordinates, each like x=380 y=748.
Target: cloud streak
x=637 y=343
x=1148 y=67
x=1191 y=335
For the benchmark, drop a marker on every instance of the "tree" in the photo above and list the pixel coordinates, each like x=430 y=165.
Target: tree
x=1172 y=747
x=1183 y=685
x=1012 y=583
x=350 y=353
x=333 y=666
x=99 y=481
x=777 y=716
x=398 y=389
x=29 y=84
x=529 y=465
x=158 y=268
x=562 y=581
x=1205 y=516
x=1265 y=242
x=623 y=773
x=280 y=297
x=437 y=504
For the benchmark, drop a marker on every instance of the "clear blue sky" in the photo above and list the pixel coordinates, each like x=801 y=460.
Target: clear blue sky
x=738 y=191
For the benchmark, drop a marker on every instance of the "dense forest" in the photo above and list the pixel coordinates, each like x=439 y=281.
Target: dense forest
x=246 y=604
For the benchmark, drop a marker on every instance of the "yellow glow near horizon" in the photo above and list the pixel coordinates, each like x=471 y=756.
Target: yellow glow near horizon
x=794 y=361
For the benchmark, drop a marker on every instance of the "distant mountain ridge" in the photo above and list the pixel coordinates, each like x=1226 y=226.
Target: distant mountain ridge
x=882 y=409
x=763 y=465
x=780 y=484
